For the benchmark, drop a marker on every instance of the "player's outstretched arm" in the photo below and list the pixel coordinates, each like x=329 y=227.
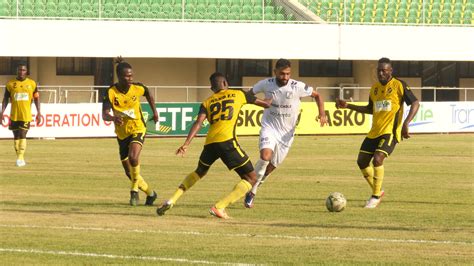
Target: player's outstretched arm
x=322 y=118
x=192 y=133
x=251 y=98
x=366 y=109
x=411 y=114
x=265 y=103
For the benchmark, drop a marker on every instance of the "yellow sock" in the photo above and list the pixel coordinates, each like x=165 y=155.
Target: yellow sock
x=17 y=146
x=368 y=173
x=187 y=183
x=378 y=179
x=138 y=182
x=177 y=194
x=21 y=149
x=239 y=191
x=135 y=173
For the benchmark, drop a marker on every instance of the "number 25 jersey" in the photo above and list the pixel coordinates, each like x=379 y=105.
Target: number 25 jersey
x=222 y=110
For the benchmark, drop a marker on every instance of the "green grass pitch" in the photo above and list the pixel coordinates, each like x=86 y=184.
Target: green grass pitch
x=69 y=205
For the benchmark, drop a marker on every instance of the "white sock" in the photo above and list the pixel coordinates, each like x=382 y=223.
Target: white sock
x=260 y=169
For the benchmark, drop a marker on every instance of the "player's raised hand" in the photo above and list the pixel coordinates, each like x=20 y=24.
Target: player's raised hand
x=182 y=150
x=340 y=103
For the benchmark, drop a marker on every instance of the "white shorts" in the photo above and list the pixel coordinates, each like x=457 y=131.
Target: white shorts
x=280 y=150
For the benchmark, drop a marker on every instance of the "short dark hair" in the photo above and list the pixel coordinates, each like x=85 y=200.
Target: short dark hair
x=121 y=65
x=384 y=60
x=21 y=63
x=213 y=78
x=282 y=63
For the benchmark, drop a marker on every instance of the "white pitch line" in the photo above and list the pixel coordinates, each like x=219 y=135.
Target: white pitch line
x=111 y=256
x=325 y=238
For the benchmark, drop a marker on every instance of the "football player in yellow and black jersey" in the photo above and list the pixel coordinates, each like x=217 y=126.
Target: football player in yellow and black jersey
x=388 y=128
x=123 y=98
x=221 y=110
x=21 y=92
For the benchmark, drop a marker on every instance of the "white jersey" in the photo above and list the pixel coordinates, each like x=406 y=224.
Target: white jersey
x=282 y=115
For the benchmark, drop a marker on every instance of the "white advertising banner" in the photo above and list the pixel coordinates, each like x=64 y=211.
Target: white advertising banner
x=65 y=120
x=443 y=117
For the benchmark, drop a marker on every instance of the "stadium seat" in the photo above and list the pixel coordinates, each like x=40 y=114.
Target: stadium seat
x=258 y=9
x=224 y=9
x=232 y=16
x=213 y=9
x=269 y=10
x=167 y=8
x=236 y=2
x=280 y=17
x=367 y=18
x=257 y=16
x=412 y=20
x=247 y=9
x=244 y=16
x=270 y=16
x=356 y=19
x=221 y=16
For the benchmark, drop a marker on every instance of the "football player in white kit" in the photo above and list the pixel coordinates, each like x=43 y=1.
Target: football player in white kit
x=279 y=121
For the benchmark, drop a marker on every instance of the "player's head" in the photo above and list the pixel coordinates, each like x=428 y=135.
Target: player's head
x=124 y=72
x=384 y=70
x=218 y=82
x=21 y=71
x=282 y=71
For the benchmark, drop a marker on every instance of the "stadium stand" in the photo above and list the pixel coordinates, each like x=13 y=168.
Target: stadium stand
x=448 y=12
x=396 y=11
x=145 y=9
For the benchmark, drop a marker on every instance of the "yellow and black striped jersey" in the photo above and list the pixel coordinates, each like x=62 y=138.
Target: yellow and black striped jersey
x=222 y=110
x=21 y=96
x=386 y=102
x=127 y=105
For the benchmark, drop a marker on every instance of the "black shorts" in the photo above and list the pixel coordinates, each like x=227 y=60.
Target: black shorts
x=231 y=155
x=124 y=144
x=385 y=143
x=17 y=125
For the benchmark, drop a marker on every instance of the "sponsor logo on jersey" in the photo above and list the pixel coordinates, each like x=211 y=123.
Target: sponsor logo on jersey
x=383 y=106
x=21 y=96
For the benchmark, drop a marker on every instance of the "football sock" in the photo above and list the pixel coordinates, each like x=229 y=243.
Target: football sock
x=368 y=173
x=239 y=191
x=187 y=183
x=21 y=149
x=136 y=178
x=177 y=194
x=378 y=179
x=17 y=146
x=190 y=180
x=260 y=169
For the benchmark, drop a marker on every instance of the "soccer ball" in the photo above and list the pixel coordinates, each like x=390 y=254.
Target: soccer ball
x=336 y=202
